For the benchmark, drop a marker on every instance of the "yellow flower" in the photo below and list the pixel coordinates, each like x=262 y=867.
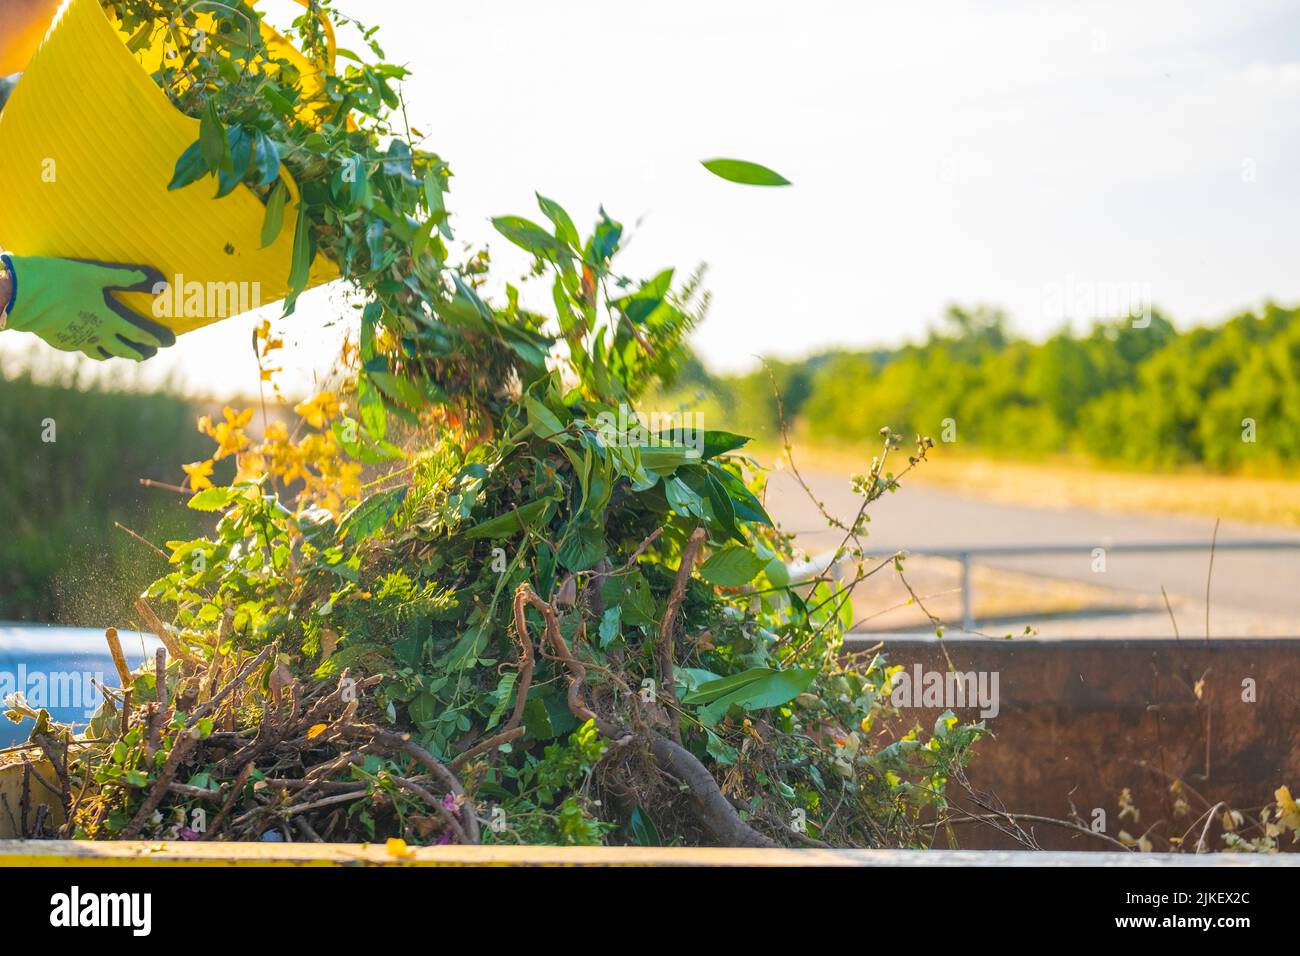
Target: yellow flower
x=229 y=434
x=317 y=411
x=198 y=473
x=237 y=419
x=251 y=468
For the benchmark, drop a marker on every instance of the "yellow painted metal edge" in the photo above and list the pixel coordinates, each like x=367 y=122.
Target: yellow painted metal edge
x=63 y=853
x=139 y=853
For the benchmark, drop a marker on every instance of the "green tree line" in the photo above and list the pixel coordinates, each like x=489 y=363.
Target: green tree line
x=1136 y=392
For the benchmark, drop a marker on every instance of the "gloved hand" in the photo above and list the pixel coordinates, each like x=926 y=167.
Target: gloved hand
x=70 y=304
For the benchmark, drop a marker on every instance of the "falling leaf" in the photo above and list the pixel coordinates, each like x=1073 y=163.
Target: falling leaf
x=745 y=173
x=315 y=730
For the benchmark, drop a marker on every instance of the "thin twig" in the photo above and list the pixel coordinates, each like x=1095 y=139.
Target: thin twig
x=1170 y=608
x=150 y=483
x=142 y=539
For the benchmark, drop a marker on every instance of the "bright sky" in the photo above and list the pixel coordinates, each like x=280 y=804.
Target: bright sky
x=940 y=152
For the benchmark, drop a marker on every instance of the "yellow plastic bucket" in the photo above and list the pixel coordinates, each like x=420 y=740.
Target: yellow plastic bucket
x=88 y=144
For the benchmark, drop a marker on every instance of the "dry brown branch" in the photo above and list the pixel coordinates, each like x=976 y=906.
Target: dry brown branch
x=446 y=816
x=185 y=741
x=164 y=634
x=403 y=743
x=308 y=830
x=577 y=671
x=713 y=810
x=241 y=780
x=485 y=746
x=664 y=649
x=119 y=658
x=238 y=680
x=526 y=661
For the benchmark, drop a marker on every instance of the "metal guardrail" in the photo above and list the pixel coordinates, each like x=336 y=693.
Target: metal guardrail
x=967 y=556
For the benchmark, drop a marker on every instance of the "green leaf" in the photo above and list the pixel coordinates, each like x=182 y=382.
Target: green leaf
x=371 y=515
x=777 y=572
x=424 y=709
x=640 y=305
x=213 y=499
x=565 y=230
x=239 y=142
x=582 y=548
x=370 y=406
x=719 y=443
x=400 y=390
x=434 y=198
x=471 y=644
x=528 y=236
x=732 y=567
x=266 y=159
x=300 y=269
x=546 y=424
x=756 y=689
x=274 y=220
x=362 y=445
x=747 y=507
x=504 y=696
x=745 y=173
x=604 y=241
x=644 y=831
x=190 y=167
x=689 y=678
x=665 y=459
x=503 y=526
x=610 y=625
x=719 y=749
x=537 y=719
x=630 y=592
x=682 y=499
x=212 y=137
x=277 y=100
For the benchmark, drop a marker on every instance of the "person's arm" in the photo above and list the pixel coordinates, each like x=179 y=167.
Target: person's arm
x=68 y=302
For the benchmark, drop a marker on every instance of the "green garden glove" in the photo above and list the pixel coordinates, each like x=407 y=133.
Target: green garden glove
x=70 y=304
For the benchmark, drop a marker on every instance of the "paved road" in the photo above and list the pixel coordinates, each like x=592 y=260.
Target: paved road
x=1252 y=592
